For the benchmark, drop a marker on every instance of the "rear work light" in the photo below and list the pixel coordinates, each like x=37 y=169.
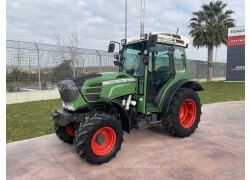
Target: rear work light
x=143 y=36
x=123 y=41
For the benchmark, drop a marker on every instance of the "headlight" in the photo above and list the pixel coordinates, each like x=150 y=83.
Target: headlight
x=64 y=105
x=123 y=41
x=70 y=107
x=143 y=36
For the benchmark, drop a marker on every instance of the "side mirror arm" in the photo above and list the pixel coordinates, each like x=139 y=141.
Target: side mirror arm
x=116 y=43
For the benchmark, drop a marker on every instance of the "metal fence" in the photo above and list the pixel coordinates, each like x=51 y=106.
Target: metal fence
x=36 y=66
x=198 y=69
x=32 y=66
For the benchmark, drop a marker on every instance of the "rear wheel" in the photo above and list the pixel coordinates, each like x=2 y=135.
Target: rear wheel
x=184 y=113
x=99 y=139
x=64 y=133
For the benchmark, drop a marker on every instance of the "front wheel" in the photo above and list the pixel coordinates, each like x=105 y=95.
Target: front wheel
x=64 y=133
x=184 y=113
x=99 y=139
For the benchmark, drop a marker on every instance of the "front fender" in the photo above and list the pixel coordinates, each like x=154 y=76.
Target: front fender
x=126 y=120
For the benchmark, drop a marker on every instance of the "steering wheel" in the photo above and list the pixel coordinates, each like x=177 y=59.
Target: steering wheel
x=139 y=71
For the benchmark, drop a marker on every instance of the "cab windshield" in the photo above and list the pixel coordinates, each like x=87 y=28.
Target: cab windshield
x=131 y=62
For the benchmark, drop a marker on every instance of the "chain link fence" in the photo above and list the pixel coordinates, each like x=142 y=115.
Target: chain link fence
x=35 y=66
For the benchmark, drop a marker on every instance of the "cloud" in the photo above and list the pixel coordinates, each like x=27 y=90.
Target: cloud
x=98 y=22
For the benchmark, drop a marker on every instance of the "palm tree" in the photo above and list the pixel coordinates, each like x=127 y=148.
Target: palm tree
x=209 y=28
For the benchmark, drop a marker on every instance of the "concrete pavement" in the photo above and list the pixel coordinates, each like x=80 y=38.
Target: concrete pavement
x=215 y=151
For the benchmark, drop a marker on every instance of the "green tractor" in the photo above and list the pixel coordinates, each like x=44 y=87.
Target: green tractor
x=152 y=87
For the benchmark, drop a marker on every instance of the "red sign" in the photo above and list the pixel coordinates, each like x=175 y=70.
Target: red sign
x=236 y=40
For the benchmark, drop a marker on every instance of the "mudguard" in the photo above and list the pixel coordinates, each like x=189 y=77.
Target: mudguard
x=170 y=93
x=126 y=120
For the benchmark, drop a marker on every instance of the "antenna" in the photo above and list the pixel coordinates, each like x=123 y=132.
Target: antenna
x=142 y=16
x=177 y=30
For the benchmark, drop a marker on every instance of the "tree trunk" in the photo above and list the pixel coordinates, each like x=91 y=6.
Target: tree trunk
x=210 y=63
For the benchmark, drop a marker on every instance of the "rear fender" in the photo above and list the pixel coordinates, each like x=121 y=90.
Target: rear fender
x=180 y=84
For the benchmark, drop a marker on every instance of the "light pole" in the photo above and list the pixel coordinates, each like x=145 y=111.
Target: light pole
x=216 y=55
x=142 y=16
x=126 y=19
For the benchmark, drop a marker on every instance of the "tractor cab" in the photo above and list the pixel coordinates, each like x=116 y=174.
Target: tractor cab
x=155 y=59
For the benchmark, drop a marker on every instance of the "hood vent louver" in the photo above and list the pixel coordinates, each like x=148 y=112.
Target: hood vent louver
x=122 y=76
x=93 y=92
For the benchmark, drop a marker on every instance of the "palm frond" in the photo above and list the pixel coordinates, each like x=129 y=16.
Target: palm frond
x=209 y=25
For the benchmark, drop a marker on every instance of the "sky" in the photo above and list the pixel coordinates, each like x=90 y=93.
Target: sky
x=98 y=21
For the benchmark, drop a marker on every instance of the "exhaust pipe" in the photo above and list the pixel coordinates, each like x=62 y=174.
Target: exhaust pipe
x=123 y=102
x=128 y=102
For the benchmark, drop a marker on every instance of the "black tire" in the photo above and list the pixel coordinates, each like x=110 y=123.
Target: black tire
x=86 y=131
x=62 y=134
x=171 y=120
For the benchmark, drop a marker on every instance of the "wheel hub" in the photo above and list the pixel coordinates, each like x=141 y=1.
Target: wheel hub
x=187 y=114
x=100 y=138
x=103 y=141
x=69 y=130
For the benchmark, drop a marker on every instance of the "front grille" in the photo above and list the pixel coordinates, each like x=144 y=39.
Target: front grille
x=94 y=90
x=68 y=90
x=92 y=93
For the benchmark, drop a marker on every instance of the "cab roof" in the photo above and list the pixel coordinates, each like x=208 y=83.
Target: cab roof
x=163 y=37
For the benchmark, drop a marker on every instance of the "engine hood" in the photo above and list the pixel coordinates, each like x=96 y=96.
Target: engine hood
x=86 y=89
x=116 y=78
x=108 y=85
x=104 y=78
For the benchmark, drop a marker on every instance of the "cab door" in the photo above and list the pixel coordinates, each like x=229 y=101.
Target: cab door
x=160 y=73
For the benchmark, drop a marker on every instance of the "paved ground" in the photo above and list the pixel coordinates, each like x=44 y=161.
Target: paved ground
x=215 y=151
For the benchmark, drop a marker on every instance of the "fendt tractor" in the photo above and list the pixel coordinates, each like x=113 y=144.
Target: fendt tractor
x=152 y=87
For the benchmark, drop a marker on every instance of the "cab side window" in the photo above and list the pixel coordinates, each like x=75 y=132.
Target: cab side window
x=179 y=60
x=159 y=58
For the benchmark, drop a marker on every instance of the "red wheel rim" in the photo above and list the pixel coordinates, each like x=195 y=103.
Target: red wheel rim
x=105 y=147
x=187 y=114
x=70 y=131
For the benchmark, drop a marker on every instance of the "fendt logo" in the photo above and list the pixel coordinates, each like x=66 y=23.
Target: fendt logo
x=238 y=68
x=238 y=31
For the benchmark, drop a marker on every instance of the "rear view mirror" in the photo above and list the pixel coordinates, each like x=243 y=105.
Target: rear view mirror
x=116 y=63
x=145 y=60
x=152 y=40
x=111 y=47
x=116 y=56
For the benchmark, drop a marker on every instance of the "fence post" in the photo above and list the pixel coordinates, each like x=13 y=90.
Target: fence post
x=38 y=61
x=100 y=61
x=73 y=62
